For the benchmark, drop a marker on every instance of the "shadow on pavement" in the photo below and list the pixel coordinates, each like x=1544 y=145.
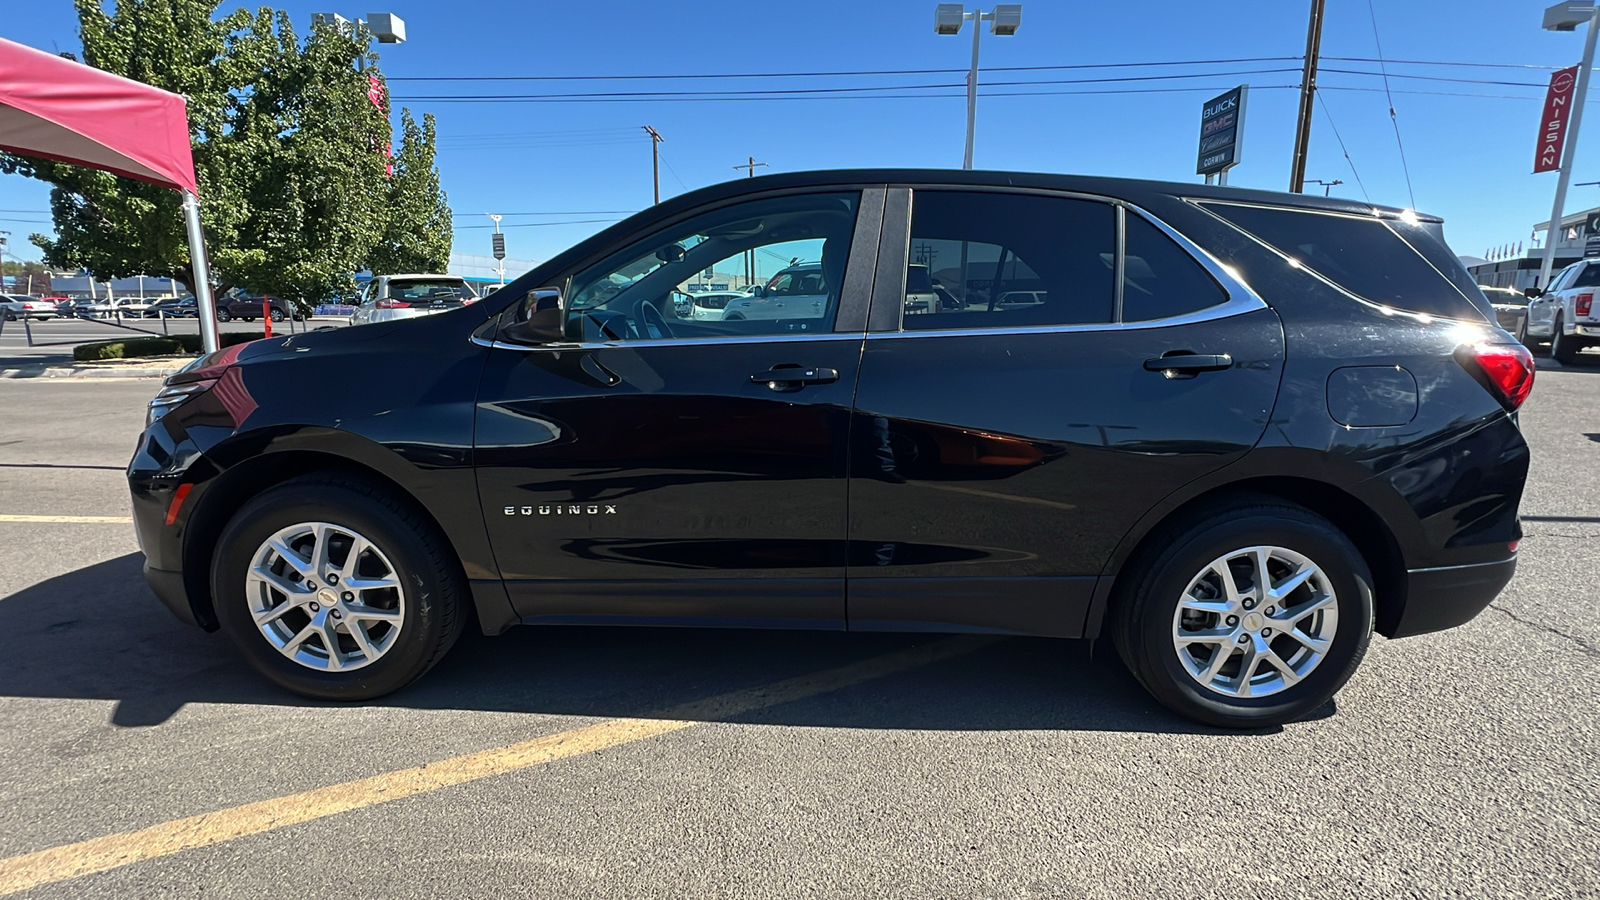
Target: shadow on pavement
x=98 y=634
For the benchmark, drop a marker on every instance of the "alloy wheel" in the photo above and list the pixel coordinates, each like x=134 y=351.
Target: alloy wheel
x=325 y=596
x=1255 y=622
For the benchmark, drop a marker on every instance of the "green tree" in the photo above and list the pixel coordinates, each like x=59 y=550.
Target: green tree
x=417 y=231
x=290 y=152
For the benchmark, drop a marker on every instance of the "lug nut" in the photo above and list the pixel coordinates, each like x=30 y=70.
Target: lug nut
x=347 y=597
x=310 y=585
x=336 y=614
x=1233 y=620
x=315 y=607
x=1249 y=604
x=333 y=579
x=1244 y=638
x=1265 y=632
x=1272 y=610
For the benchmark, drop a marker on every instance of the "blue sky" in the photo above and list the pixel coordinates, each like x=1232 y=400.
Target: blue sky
x=1469 y=157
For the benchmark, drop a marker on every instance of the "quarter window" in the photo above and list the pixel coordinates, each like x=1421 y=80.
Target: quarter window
x=1160 y=279
x=984 y=260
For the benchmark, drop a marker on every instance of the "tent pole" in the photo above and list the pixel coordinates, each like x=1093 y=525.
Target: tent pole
x=205 y=307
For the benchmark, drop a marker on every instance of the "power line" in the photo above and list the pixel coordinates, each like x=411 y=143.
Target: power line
x=587 y=212
x=538 y=224
x=719 y=75
x=1393 y=119
x=1343 y=149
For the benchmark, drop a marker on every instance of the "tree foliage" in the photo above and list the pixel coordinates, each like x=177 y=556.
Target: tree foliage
x=417 y=232
x=290 y=152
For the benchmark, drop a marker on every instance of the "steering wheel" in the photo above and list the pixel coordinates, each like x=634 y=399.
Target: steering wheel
x=649 y=321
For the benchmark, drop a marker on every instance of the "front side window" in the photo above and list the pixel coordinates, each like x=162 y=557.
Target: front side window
x=984 y=260
x=789 y=251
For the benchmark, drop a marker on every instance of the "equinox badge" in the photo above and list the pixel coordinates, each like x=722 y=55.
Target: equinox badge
x=565 y=509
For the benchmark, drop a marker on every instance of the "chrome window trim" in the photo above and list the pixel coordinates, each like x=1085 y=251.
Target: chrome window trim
x=672 y=342
x=1241 y=297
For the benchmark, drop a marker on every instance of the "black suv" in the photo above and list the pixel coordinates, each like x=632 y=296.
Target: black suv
x=249 y=307
x=1235 y=431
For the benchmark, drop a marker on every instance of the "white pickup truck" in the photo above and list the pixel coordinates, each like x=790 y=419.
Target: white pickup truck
x=1565 y=313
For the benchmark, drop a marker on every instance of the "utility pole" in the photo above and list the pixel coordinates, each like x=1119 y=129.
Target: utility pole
x=655 y=158
x=1308 y=92
x=750 y=255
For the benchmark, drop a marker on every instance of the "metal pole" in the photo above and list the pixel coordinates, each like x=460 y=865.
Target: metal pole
x=1579 y=92
x=1308 y=91
x=655 y=159
x=972 y=88
x=205 y=308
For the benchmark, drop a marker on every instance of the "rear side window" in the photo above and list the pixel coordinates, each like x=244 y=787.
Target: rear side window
x=1363 y=255
x=1160 y=279
x=999 y=260
x=1589 y=277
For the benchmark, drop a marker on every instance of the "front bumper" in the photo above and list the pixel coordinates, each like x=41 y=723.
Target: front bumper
x=168 y=588
x=1437 y=599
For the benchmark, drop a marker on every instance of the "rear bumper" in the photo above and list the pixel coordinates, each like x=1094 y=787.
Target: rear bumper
x=168 y=588
x=1437 y=599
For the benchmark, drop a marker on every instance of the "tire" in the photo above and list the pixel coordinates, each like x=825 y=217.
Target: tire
x=1562 y=348
x=1179 y=565
x=224 y=316
x=277 y=315
x=1521 y=333
x=425 y=607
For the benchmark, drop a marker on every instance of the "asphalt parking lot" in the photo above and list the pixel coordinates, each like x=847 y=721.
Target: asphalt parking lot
x=53 y=339
x=646 y=763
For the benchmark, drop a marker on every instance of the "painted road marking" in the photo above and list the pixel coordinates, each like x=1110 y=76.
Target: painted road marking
x=29 y=870
x=71 y=520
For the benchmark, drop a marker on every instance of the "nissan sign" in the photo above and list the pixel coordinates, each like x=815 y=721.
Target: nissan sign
x=1221 y=131
x=1553 y=125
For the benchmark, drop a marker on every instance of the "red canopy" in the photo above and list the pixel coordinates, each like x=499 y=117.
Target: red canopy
x=59 y=109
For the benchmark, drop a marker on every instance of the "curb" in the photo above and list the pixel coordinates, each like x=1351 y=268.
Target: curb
x=56 y=372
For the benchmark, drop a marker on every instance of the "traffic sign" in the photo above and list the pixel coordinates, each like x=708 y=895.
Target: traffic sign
x=499 y=245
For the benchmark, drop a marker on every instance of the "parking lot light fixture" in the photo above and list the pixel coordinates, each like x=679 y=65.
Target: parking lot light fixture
x=948 y=18
x=1567 y=17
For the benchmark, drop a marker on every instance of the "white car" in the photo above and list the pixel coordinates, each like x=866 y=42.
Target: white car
x=1565 y=313
x=709 y=305
x=13 y=306
x=390 y=297
x=797 y=292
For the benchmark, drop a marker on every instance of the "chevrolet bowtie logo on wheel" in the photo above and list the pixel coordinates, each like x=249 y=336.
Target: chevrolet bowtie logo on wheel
x=564 y=509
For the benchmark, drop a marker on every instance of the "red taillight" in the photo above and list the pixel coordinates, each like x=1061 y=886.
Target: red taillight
x=1509 y=368
x=1582 y=303
x=392 y=304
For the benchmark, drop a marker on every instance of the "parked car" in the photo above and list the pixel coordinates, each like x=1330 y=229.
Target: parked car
x=173 y=308
x=797 y=292
x=1510 y=310
x=249 y=307
x=387 y=298
x=87 y=308
x=708 y=306
x=1565 y=313
x=1237 y=432
x=130 y=307
x=13 y=306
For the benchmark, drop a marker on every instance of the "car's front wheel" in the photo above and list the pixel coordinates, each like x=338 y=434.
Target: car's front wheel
x=333 y=588
x=277 y=315
x=1250 y=615
x=224 y=316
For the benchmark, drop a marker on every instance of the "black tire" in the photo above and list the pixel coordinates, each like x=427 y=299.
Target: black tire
x=1562 y=348
x=1146 y=603
x=435 y=608
x=277 y=315
x=1521 y=333
x=223 y=315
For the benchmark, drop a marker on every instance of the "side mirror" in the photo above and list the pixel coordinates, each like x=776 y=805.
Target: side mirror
x=546 y=311
x=1532 y=293
x=757 y=291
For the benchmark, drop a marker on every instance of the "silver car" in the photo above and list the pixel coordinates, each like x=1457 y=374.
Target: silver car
x=390 y=297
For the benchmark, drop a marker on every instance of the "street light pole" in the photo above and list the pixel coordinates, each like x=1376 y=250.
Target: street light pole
x=1567 y=17
x=1004 y=19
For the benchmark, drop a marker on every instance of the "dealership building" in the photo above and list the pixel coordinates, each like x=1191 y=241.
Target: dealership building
x=1522 y=272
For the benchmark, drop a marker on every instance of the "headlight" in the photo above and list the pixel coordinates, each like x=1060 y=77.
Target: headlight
x=174 y=395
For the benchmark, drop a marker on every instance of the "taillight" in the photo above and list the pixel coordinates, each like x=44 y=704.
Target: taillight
x=1581 y=304
x=1508 y=368
x=392 y=304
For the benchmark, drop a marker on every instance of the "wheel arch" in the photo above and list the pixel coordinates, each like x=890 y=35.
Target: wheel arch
x=251 y=476
x=1360 y=522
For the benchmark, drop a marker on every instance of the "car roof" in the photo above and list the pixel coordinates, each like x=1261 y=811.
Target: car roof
x=423 y=275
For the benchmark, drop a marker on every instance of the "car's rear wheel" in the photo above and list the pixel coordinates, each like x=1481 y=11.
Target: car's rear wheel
x=333 y=588
x=1564 y=349
x=1521 y=334
x=1250 y=615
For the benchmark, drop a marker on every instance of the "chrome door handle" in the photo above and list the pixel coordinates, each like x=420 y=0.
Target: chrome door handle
x=1187 y=365
x=794 y=377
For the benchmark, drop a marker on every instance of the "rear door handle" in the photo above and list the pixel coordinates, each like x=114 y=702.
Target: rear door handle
x=1180 y=364
x=791 y=378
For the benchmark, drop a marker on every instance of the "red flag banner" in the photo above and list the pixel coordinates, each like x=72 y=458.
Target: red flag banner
x=1553 y=125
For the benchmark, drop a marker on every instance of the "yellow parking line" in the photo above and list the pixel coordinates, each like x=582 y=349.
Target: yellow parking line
x=70 y=520
x=29 y=870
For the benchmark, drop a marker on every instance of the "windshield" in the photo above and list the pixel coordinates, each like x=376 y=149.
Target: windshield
x=434 y=289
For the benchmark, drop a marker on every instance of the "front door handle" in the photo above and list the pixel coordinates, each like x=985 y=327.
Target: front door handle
x=1187 y=365
x=789 y=378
